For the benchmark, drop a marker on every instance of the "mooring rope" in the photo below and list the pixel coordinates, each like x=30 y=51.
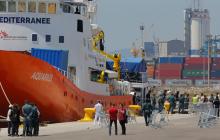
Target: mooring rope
x=5 y=94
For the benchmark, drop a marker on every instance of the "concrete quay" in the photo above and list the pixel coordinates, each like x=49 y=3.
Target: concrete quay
x=180 y=127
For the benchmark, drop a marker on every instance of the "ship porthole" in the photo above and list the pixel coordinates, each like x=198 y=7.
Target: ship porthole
x=65 y=93
x=83 y=100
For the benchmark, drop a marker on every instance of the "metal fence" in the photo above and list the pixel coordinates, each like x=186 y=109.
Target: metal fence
x=207 y=115
x=158 y=119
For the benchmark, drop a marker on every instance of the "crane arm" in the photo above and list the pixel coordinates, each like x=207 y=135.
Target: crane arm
x=115 y=58
x=96 y=39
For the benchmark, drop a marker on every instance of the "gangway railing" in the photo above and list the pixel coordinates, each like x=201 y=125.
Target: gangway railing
x=67 y=74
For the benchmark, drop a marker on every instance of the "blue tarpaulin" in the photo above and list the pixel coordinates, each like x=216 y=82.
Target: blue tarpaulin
x=58 y=58
x=129 y=65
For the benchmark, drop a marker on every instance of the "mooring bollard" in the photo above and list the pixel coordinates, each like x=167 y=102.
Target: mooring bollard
x=135 y=109
x=88 y=117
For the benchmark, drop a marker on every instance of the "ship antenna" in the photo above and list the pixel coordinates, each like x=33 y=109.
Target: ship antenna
x=92 y=10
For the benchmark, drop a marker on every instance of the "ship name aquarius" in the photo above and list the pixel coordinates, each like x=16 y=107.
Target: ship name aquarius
x=42 y=76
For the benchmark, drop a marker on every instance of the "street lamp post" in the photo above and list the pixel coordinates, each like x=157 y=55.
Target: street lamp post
x=209 y=45
x=142 y=47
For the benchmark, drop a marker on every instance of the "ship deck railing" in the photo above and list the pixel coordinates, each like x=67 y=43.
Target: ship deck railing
x=67 y=74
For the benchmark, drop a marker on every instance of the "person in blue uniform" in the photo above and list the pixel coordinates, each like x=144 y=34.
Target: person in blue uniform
x=27 y=112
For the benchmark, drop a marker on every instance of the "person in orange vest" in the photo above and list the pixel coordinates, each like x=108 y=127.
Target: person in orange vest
x=167 y=106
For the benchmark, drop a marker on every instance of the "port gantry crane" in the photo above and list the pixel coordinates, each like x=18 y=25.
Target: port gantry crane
x=116 y=58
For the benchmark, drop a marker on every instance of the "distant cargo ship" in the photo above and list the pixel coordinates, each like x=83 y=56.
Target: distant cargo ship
x=47 y=56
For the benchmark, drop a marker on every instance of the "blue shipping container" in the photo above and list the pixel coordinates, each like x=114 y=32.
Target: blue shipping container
x=215 y=73
x=58 y=58
x=174 y=60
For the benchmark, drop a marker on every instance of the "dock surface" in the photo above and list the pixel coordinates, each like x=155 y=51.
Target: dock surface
x=180 y=127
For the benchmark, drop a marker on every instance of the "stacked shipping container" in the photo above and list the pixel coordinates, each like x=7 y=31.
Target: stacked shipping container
x=215 y=69
x=192 y=68
x=196 y=68
x=169 y=68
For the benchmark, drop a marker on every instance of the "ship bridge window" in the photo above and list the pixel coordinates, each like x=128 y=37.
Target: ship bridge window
x=66 y=8
x=94 y=76
x=51 y=8
x=61 y=39
x=34 y=37
x=2 y=6
x=32 y=6
x=77 y=10
x=79 y=25
x=11 y=6
x=21 y=6
x=42 y=7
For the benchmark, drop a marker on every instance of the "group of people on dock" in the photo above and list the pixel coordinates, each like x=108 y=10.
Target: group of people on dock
x=174 y=102
x=213 y=100
x=167 y=101
x=114 y=115
x=30 y=119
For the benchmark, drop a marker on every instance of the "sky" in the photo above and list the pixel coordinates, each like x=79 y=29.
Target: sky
x=162 y=19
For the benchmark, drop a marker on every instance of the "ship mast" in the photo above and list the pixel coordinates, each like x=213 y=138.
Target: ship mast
x=92 y=10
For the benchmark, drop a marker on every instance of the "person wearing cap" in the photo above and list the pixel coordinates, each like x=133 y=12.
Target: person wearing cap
x=9 y=120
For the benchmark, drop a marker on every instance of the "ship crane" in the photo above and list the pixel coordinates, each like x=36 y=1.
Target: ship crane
x=116 y=58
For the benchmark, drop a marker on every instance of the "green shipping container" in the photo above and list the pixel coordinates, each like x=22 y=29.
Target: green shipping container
x=195 y=73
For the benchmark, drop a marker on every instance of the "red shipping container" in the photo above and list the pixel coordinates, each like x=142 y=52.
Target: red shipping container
x=168 y=73
x=215 y=78
x=216 y=60
x=197 y=60
x=195 y=66
x=168 y=77
x=169 y=66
